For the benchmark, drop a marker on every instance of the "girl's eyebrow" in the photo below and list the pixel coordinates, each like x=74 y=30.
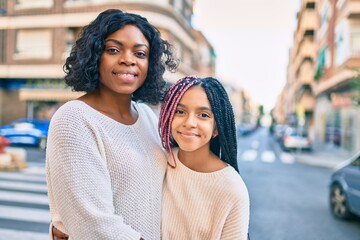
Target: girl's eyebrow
x=121 y=44
x=200 y=108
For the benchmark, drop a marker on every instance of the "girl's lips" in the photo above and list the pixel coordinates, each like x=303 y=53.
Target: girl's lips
x=188 y=134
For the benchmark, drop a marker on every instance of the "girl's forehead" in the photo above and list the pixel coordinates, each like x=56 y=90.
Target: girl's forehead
x=195 y=96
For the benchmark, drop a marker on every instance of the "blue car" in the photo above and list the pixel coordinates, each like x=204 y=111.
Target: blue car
x=27 y=132
x=345 y=189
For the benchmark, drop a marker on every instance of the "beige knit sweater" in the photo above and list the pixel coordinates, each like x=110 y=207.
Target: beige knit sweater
x=204 y=206
x=104 y=178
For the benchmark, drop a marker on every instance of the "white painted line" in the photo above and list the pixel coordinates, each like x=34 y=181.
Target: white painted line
x=25 y=214
x=21 y=176
x=18 y=235
x=268 y=156
x=287 y=158
x=249 y=155
x=255 y=144
x=39 y=170
x=23 y=197
x=23 y=186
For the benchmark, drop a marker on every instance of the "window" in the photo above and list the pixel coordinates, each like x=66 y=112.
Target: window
x=33 y=44
x=355 y=43
x=34 y=4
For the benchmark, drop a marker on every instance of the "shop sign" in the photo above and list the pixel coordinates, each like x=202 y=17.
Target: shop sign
x=341 y=100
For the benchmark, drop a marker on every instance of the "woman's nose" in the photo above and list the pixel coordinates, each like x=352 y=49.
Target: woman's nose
x=127 y=59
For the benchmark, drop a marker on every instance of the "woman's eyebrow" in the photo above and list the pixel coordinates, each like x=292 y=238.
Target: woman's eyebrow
x=121 y=44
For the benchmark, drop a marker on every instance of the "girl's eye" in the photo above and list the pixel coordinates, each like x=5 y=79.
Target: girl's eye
x=178 y=111
x=204 y=115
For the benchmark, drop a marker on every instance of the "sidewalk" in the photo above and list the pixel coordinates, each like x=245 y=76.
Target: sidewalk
x=327 y=157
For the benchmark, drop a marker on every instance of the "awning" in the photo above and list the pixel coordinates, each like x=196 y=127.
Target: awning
x=61 y=95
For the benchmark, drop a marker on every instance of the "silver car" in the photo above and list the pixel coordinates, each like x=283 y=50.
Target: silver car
x=345 y=189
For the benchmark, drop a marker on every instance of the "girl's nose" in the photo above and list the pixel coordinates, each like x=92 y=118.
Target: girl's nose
x=190 y=121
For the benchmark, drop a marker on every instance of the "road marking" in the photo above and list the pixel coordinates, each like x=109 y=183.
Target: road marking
x=23 y=197
x=249 y=155
x=25 y=214
x=287 y=158
x=22 y=176
x=268 y=156
x=16 y=234
x=23 y=186
x=255 y=144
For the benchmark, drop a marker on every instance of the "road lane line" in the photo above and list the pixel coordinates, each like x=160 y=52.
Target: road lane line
x=268 y=156
x=249 y=155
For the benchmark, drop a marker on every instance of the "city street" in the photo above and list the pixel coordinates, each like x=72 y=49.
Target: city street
x=289 y=200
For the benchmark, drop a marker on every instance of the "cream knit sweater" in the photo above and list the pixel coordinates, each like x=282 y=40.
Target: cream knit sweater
x=104 y=178
x=204 y=206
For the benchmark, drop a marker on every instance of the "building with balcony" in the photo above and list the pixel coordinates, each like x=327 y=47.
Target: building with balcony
x=36 y=37
x=337 y=118
x=297 y=98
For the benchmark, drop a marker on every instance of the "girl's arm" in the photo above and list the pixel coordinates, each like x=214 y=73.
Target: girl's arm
x=237 y=222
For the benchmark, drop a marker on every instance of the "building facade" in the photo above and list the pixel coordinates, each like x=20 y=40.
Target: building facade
x=323 y=71
x=36 y=37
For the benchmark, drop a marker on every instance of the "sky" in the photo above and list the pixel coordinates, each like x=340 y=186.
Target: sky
x=251 y=39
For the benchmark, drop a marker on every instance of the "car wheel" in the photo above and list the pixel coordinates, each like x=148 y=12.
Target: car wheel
x=338 y=203
x=42 y=143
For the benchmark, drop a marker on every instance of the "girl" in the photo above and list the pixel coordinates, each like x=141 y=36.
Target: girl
x=204 y=196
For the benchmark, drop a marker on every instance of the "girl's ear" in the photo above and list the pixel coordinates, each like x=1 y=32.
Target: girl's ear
x=215 y=133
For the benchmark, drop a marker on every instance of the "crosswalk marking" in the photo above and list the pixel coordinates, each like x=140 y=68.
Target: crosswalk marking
x=255 y=144
x=23 y=186
x=268 y=156
x=287 y=158
x=249 y=155
x=23 y=197
x=9 y=235
x=25 y=214
x=24 y=205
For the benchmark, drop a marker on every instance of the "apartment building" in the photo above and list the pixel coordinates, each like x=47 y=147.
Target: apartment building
x=36 y=37
x=297 y=99
x=323 y=62
x=337 y=119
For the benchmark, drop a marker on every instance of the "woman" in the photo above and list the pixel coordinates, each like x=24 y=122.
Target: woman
x=104 y=162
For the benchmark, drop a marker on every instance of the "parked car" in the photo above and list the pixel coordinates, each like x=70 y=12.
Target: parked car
x=293 y=139
x=30 y=132
x=344 y=194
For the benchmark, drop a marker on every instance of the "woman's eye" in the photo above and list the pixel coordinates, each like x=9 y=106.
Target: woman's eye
x=140 y=54
x=112 y=50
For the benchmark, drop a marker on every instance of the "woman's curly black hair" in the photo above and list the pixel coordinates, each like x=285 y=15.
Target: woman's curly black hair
x=82 y=66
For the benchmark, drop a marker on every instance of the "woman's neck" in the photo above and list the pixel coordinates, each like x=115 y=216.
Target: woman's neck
x=117 y=107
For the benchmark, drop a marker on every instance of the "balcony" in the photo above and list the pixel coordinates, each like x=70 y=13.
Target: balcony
x=352 y=9
x=306 y=73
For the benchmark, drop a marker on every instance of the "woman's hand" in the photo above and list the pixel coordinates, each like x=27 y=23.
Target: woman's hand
x=57 y=234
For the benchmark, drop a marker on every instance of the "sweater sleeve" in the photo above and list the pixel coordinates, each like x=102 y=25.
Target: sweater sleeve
x=79 y=183
x=237 y=223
